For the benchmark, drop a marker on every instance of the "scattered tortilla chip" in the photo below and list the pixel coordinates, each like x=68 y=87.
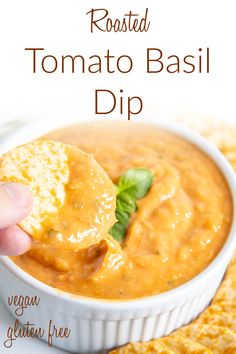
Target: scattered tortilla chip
x=224 y=306
x=223 y=319
x=222 y=134
x=152 y=347
x=74 y=199
x=181 y=345
x=227 y=289
x=218 y=339
x=225 y=140
x=170 y=344
x=233 y=260
x=231 y=270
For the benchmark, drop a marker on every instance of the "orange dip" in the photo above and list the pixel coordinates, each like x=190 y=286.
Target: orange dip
x=179 y=228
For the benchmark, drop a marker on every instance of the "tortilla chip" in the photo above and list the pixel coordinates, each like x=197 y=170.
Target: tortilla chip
x=220 y=133
x=227 y=290
x=152 y=347
x=233 y=261
x=217 y=339
x=231 y=271
x=225 y=140
x=43 y=166
x=223 y=319
x=224 y=306
x=74 y=199
x=181 y=345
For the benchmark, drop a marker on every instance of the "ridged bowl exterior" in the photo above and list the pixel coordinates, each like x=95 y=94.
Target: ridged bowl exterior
x=97 y=331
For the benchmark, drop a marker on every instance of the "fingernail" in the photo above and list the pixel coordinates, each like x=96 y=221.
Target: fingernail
x=18 y=193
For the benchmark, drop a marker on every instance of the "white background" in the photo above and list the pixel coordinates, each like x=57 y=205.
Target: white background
x=178 y=27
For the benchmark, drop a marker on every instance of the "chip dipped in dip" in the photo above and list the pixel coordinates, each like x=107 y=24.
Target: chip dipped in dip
x=179 y=227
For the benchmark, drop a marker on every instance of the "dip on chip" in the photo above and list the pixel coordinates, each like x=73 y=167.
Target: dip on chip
x=74 y=199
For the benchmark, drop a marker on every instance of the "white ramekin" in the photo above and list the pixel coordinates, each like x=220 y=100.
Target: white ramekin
x=99 y=325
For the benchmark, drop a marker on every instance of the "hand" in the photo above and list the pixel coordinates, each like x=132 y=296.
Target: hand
x=15 y=204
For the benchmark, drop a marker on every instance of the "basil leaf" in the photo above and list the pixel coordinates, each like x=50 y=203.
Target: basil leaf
x=126 y=203
x=117 y=232
x=136 y=182
x=133 y=184
x=122 y=218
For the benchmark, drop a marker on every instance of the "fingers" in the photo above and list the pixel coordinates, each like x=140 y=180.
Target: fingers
x=15 y=203
x=14 y=241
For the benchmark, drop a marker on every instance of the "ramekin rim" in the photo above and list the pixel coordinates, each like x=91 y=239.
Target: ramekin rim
x=225 y=253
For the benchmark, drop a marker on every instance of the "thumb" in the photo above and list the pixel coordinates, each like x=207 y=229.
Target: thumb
x=15 y=203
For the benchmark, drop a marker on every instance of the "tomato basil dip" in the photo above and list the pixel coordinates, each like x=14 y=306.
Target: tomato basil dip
x=178 y=229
